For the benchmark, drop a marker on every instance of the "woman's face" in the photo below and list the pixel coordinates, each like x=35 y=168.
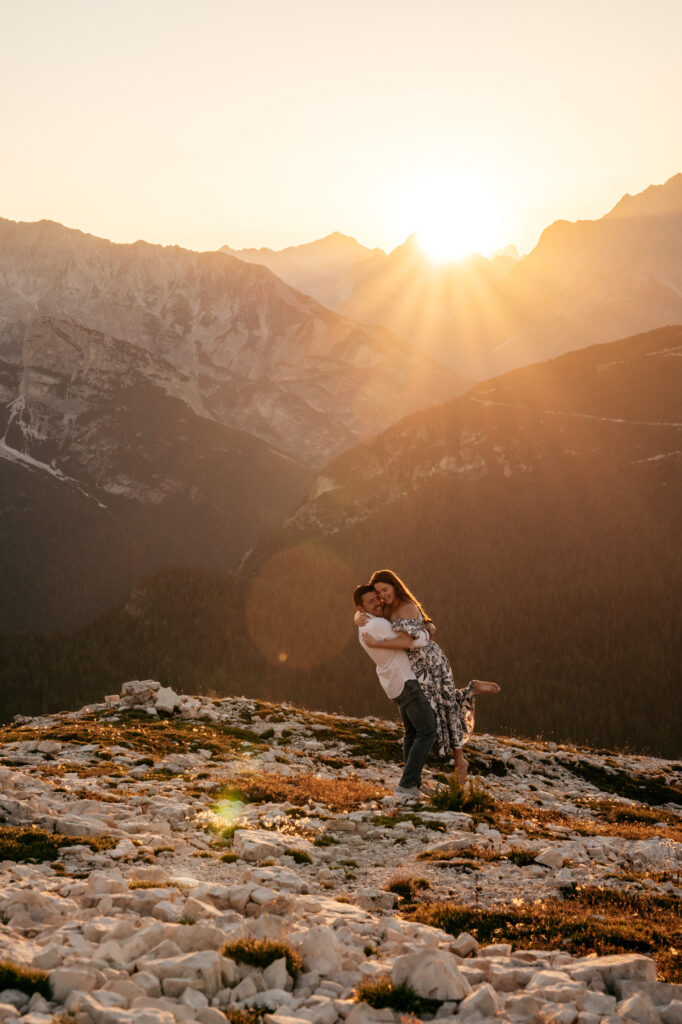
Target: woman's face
x=386 y=592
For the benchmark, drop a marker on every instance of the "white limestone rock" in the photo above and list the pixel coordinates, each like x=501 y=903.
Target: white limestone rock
x=433 y=974
x=464 y=944
x=638 y=1007
x=620 y=967
x=319 y=949
x=275 y=975
x=550 y=857
x=484 y=1002
x=137 y=691
x=68 y=979
x=672 y=1012
x=166 y=699
x=203 y=968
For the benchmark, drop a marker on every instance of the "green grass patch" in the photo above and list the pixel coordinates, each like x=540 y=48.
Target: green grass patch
x=23 y=843
x=381 y=993
x=263 y=952
x=229 y=858
x=25 y=979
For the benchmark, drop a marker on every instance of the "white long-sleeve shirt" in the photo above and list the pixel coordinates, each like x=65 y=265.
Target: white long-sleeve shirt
x=393 y=665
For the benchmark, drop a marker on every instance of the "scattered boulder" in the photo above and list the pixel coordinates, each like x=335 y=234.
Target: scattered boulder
x=433 y=974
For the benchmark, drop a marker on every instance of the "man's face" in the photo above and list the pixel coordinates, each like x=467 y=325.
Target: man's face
x=371 y=603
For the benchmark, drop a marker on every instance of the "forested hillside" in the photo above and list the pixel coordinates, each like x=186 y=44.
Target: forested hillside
x=537 y=518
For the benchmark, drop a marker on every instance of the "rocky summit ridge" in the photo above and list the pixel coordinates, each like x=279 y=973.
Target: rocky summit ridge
x=172 y=858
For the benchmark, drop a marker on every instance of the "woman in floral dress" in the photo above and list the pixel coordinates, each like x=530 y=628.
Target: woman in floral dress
x=453 y=708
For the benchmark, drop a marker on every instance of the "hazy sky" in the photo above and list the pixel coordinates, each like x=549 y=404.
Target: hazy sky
x=273 y=122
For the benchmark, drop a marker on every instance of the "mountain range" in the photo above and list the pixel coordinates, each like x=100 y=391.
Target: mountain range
x=584 y=282
x=159 y=406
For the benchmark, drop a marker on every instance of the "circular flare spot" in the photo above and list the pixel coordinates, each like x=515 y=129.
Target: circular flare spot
x=299 y=608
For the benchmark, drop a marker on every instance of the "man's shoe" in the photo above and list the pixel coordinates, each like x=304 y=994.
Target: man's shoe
x=413 y=793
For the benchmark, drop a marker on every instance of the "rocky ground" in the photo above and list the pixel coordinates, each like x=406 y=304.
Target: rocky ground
x=167 y=858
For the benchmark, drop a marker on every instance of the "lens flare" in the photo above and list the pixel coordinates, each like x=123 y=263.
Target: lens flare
x=226 y=812
x=299 y=609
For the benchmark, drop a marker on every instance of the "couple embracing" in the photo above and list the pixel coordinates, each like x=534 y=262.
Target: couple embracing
x=397 y=634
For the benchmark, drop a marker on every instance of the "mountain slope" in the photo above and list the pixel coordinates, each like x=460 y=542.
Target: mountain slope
x=106 y=475
x=256 y=355
x=618 y=403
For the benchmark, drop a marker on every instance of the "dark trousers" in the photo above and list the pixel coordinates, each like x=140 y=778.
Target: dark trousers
x=420 y=731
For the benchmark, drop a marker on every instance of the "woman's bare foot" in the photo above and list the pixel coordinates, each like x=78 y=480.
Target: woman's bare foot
x=482 y=686
x=461 y=766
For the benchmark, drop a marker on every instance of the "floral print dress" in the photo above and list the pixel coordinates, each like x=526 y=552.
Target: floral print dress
x=454 y=709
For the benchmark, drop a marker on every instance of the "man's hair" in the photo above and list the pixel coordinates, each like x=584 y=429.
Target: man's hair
x=359 y=593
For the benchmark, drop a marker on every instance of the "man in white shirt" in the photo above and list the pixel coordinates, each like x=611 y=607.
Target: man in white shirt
x=397 y=679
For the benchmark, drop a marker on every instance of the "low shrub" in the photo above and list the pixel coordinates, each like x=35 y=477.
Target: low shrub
x=24 y=843
x=25 y=979
x=522 y=858
x=300 y=856
x=262 y=953
x=381 y=993
x=472 y=798
x=407 y=886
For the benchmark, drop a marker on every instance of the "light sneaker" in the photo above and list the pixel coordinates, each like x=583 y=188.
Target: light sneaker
x=413 y=793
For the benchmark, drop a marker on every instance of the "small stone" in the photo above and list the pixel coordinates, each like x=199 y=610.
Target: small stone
x=484 y=1001
x=464 y=944
x=166 y=699
x=192 y=997
x=69 y=979
x=276 y=975
x=672 y=1013
x=433 y=974
x=550 y=858
x=639 y=1008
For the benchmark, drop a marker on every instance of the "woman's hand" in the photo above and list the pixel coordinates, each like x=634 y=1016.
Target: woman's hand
x=361 y=618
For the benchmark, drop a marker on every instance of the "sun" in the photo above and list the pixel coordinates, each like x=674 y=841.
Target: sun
x=454 y=219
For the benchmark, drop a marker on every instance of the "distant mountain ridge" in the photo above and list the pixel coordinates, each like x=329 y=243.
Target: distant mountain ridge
x=257 y=355
x=584 y=283
x=326 y=269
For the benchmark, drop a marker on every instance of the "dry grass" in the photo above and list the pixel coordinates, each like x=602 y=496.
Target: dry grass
x=407 y=887
x=25 y=843
x=137 y=731
x=337 y=794
x=262 y=953
x=537 y=822
x=381 y=993
x=25 y=979
x=587 y=920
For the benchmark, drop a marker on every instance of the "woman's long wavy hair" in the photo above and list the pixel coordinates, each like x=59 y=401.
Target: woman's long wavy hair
x=401 y=591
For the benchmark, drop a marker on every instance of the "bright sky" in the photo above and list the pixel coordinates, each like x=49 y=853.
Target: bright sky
x=274 y=122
